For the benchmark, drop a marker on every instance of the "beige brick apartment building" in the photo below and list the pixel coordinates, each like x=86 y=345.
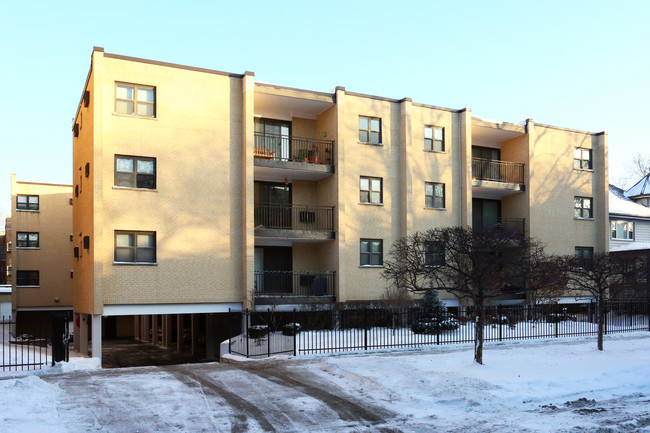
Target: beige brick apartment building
x=39 y=254
x=197 y=192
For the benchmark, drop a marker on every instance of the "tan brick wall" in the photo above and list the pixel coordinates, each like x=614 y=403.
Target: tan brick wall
x=53 y=258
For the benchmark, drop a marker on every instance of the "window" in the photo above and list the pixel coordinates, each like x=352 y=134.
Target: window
x=434 y=195
x=27 y=278
x=434 y=254
x=583 y=207
x=370 y=130
x=434 y=138
x=372 y=252
x=622 y=229
x=135 y=100
x=584 y=252
x=135 y=247
x=27 y=202
x=370 y=190
x=26 y=240
x=135 y=172
x=582 y=159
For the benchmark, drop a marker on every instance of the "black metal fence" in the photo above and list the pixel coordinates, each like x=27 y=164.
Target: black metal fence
x=497 y=171
x=297 y=149
x=22 y=352
x=294 y=217
x=515 y=225
x=266 y=333
x=294 y=283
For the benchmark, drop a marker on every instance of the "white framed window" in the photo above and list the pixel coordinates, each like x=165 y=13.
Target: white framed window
x=582 y=159
x=434 y=195
x=370 y=190
x=370 y=130
x=135 y=100
x=434 y=138
x=621 y=229
x=135 y=172
x=371 y=252
x=135 y=247
x=583 y=207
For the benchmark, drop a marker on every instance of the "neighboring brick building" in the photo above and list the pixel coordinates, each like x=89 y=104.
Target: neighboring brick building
x=199 y=191
x=39 y=254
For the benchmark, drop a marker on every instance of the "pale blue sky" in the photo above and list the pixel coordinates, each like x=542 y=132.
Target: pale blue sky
x=578 y=64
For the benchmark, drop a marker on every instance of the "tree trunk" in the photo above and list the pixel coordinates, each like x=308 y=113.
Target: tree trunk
x=601 y=322
x=478 y=335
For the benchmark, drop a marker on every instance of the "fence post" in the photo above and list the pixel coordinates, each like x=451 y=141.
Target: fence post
x=557 y=321
x=365 y=328
x=246 y=319
x=268 y=334
x=230 y=338
x=499 y=322
x=438 y=324
x=295 y=332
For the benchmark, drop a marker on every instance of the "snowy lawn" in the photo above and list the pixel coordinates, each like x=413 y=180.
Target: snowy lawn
x=554 y=385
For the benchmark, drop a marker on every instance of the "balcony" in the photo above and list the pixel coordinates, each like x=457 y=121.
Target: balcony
x=294 y=221
x=283 y=287
x=494 y=179
x=514 y=225
x=283 y=156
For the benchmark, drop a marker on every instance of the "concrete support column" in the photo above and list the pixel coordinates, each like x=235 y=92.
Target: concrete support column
x=210 y=338
x=154 y=329
x=136 y=327
x=76 y=331
x=97 y=336
x=167 y=330
x=83 y=334
x=146 y=328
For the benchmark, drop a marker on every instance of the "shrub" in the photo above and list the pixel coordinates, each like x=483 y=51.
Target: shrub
x=431 y=315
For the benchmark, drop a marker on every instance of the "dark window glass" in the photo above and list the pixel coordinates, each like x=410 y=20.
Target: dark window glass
x=27 y=278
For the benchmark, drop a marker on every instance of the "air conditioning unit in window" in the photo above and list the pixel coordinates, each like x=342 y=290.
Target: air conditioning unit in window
x=9 y=244
x=9 y=270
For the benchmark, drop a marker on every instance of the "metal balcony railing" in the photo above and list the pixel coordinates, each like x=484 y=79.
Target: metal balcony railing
x=516 y=225
x=297 y=149
x=497 y=171
x=294 y=217
x=294 y=283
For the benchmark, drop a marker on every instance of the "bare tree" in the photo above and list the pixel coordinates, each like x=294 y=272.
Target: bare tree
x=475 y=265
x=637 y=168
x=597 y=275
x=396 y=300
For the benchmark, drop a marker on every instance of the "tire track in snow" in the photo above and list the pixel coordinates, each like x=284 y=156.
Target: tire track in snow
x=346 y=409
x=243 y=409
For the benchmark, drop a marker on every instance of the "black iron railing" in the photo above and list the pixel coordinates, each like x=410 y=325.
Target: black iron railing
x=294 y=283
x=294 y=217
x=297 y=149
x=514 y=225
x=497 y=171
x=337 y=330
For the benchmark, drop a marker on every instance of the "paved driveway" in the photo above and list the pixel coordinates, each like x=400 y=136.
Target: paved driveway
x=248 y=397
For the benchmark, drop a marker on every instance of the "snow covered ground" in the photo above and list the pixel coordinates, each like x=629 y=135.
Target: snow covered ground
x=555 y=385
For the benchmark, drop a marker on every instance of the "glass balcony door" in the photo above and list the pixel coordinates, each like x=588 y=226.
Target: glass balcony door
x=276 y=136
